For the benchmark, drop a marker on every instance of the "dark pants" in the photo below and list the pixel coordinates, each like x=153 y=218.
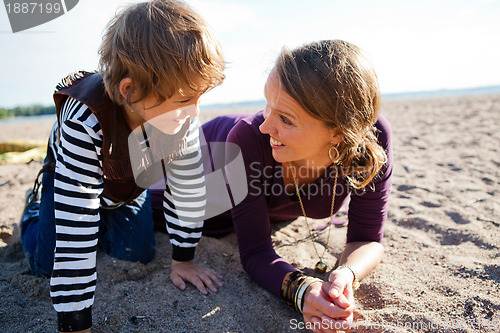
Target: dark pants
x=125 y=233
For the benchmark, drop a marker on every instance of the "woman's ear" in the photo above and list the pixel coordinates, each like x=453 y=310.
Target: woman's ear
x=337 y=136
x=126 y=88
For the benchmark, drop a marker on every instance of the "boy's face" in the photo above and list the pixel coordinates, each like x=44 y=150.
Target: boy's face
x=170 y=115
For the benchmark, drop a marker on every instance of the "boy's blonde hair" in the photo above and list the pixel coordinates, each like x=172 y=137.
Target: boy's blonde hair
x=164 y=47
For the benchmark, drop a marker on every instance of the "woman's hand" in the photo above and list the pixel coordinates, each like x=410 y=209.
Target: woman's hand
x=325 y=312
x=199 y=276
x=340 y=283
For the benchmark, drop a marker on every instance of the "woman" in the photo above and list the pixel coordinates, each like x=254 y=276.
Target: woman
x=321 y=127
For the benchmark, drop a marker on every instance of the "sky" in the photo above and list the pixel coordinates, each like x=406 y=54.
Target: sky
x=414 y=45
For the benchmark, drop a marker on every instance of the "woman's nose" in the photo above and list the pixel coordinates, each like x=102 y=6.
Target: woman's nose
x=267 y=127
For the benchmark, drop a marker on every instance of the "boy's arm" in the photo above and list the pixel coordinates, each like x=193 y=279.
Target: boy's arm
x=77 y=187
x=184 y=207
x=185 y=199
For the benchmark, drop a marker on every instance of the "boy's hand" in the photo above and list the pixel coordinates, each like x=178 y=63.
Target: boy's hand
x=199 y=276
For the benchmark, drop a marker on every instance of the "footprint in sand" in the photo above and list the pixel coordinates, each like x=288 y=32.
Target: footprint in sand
x=453 y=167
x=404 y=188
x=407 y=209
x=407 y=188
x=457 y=218
x=487 y=181
x=430 y=204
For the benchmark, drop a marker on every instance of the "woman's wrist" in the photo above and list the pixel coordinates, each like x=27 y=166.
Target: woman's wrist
x=308 y=291
x=353 y=272
x=294 y=287
x=304 y=287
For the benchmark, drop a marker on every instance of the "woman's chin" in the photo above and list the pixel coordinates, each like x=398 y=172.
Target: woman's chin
x=279 y=157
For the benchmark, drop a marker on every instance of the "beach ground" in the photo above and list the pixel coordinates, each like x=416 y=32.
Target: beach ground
x=440 y=273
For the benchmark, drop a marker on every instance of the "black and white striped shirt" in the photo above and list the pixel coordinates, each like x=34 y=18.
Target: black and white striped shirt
x=78 y=187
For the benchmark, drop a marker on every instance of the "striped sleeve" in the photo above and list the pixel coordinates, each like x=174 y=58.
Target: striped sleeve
x=185 y=198
x=77 y=188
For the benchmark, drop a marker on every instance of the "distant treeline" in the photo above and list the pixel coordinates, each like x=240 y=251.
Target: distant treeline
x=38 y=110
x=26 y=111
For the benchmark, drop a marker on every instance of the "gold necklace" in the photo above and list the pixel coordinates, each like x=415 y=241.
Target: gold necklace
x=320 y=265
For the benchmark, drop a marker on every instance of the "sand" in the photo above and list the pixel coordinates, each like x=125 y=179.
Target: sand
x=440 y=273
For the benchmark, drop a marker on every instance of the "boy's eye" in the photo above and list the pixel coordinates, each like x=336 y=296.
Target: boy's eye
x=285 y=120
x=185 y=101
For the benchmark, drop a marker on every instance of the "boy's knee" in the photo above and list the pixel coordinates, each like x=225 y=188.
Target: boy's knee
x=39 y=269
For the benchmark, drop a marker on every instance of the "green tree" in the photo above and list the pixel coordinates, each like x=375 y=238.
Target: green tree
x=26 y=111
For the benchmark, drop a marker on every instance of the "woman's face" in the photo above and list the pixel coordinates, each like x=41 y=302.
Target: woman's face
x=295 y=135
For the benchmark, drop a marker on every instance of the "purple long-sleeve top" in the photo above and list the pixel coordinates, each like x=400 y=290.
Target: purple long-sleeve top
x=267 y=201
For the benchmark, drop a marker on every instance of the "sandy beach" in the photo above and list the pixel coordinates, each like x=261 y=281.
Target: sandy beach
x=440 y=273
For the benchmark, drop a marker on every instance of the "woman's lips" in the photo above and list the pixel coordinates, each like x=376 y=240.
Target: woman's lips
x=275 y=144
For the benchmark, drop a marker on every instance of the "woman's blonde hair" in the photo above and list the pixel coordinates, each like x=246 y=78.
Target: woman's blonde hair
x=164 y=47
x=335 y=83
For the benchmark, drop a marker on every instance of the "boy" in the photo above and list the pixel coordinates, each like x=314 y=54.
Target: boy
x=156 y=60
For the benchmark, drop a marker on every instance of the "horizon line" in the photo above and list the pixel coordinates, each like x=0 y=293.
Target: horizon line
x=478 y=90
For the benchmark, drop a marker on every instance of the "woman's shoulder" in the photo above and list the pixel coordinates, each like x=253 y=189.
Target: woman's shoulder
x=246 y=129
x=254 y=146
x=384 y=131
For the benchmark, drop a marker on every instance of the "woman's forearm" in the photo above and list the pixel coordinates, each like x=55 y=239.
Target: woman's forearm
x=363 y=257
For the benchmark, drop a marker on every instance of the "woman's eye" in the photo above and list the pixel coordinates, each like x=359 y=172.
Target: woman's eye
x=285 y=120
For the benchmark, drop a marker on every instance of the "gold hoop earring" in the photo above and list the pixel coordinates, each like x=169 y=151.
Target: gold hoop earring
x=330 y=154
